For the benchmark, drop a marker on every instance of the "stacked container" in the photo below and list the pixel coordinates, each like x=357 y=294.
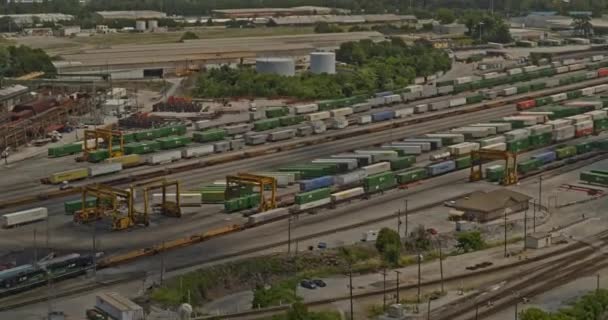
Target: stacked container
x=464 y=148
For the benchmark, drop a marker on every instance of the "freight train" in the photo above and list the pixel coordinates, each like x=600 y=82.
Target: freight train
x=29 y=276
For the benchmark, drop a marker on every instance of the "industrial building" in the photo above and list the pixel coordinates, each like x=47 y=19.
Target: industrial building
x=28 y=18
x=482 y=207
x=452 y=28
x=131 y=15
x=279 y=66
x=273 y=12
x=11 y=96
x=343 y=19
x=538 y=240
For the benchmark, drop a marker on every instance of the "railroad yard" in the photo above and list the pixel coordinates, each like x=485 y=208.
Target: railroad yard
x=493 y=184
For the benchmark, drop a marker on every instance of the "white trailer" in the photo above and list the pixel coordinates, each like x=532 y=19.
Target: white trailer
x=185 y=199
x=102 y=169
x=164 y=157
x=22 y=217
x=118 y=307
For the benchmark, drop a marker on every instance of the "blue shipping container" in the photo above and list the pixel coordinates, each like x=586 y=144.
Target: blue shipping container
x=317 y=183
x=383 y=94
x=383 y=116
x=545 y=157
x=441 y=168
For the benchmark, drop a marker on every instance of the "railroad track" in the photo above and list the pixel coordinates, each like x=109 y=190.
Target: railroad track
x=289 y=145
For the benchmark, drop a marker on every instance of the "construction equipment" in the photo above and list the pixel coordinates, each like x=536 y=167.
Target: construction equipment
x=233 y=184
x=110 y=202
x=109 y=137
x=166 y=208
x=479 y=156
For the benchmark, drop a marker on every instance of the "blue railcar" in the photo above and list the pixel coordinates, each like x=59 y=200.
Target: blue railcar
x=383 y=116
x=316 y=183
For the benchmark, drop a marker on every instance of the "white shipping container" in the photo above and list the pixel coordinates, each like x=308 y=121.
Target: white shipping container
x=490 y=75
x=597 y=114
x=491 y=141
x=281 y=135
x=530 y=68
x=576 y=67
x=517 y=134
x=440 y=105
x=568 y=62
x=559 y=123
x=306 y=108
x=458 y=102
x=376 y=101
x=313 y=204
x=445 y=89
x=539 y=117
x=237 y=129
x=102 y=169
x=118 y=307
x=500 y=126
x=559 y=97
x=509 y=91
x=351 y=177
x=203 y=124
x=342 y=112
x=596 y=58
x=421 y=108
x=281 y=180
x=426 y=146
x=415 y=88
x=588 y=91
x=319 y=116
x=579 y=118
x=185 y=199
x=221 y=146
x=563 y=69
x=595 y=104
x=288 y=176
x=164 y=157
x=501 y=146
x=402 y=113
x=394 y=98
x=463 y=148
x=455 y=137
x=527 y=120
x=463 y=80
x=365 y=119
x=591 y=75
x=351 y=164
x=600 y=88
x=361 y=107
x=540 y=129
x=199 y=151
x=410 y=150
x=376 y=168
x=25 y=216
x=347 y=194
x=268 y=215
x=564 y=133
x=583 y=125
x=514 y=71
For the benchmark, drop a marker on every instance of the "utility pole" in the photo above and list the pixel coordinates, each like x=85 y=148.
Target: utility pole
x=406 y=218
x=419 y=275
x=399 y=221
x=384 y=289
x=525 y=228
x=505 y=233
x=350 y=276
x=398 y=273
x=48 y=236
x=476 y=311
x=441 y=265
x=540 y=191
x=289 y=235
x=516 y=303
x=428 y=310
x=534 y=216
x=162 y=264
x=94 y=250
x=597 y=287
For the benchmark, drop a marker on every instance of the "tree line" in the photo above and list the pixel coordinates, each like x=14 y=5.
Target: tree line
x=423 y=8
x=371 y=67
x=17 y=61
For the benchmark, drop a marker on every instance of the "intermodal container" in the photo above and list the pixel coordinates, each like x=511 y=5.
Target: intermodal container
x=310 y=196
x=221 y=146
x=351 y=164
x=594 y=178
x=402 y=163
x=350 y=178
x=316 y=183
x=362 y=159
x=313 y=204
x=276 y=112
x=383 y=116
x=127 y=161
x=319 y=116
x=306 y=108
x=237 y=129
x=237 y=144
x=517 y=146
x=266 y=124
x=198 y=151
x=436 y=143
x=268 y=215
x=463 y=148
x=425 y=146
x=565 y=152
x=501 y=146
x=463 y=162
x=403 y=150
x=491 y=141
x=380 y=155
x=540 y=140
x=545 y=157
x=457 y=102
x=256 y=139
x=347 y=194
x=361 y=107
x=164 y=157
x=447 y=138
x=173 y=142
x=441 y=168
x=528 y=166
x=25 y=216
x=281 y=135
x=376 y=168
x=564 y=133
x=103 y=169
x=412 y=175
x=379 y=182
x=600 y=125
x=584 y=147
x=70 y=207
x=69 y=175
x=209 y=135
x=495 y=173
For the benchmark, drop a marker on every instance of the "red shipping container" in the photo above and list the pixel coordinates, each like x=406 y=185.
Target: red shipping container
x=16 y=116
x=603 y=72
x=584 y=132
x=526 y=104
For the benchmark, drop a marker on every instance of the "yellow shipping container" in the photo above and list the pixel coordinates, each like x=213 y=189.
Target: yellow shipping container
x=69 y=175
x=127 y=161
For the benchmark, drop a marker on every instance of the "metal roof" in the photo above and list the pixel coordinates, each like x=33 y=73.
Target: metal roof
x=490 y=201
x=12 y=91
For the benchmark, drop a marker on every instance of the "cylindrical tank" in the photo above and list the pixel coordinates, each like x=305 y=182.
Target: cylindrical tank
x=152 y=24
x=323 y=62
x=140 y=25
x=280 y=66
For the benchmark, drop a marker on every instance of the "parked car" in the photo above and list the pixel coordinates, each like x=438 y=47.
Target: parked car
x=308 y=284
x=322 y=245
x=432 y=231
x=319 y=283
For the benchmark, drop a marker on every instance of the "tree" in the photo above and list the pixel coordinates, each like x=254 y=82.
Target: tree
x=445 y=15
x=387 y=238
x=535 y=314
x=7 y=24
x=209 y=22
x=271 y=23
x=188 y=35
x=324 y=27
x=420 y=239
x=470 y=241
x=582 y=25
x=23 y=60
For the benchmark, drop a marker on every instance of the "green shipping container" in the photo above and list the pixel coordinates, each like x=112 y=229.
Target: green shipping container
x=537 y=86
x=584 y=147
x=209 y=135
x=253 y=200
x=276 y=112
x=565 y=152
x=128 y=137
x=96 y=156
x=213 y=195
x=600 y=125
x=290 y=121
x=543 y=101
x=172 y=142
x=306 y=197
x=574 y=94
x=72 y=206
x=146 y=135
x=474 y=99
x=523 y=89
x=379 y=182
x=64 y=150
x=528 y=166
x=177 y=130
x=518 y=145
x=594 y=178
x=266 y=124
x=236 y=204
x=463 y=162
x=142 y=147
x=495 y=173
x=601 y=144
x=402 y=163
x=540 y=140
x=412 y=175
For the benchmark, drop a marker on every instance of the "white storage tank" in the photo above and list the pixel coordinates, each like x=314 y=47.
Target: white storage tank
x=279 y=66
x=152 y=24
x=140 y=25
x=323 y=62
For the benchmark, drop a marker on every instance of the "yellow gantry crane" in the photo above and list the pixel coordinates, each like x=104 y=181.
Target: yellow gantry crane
x=113 y=139
x=167 y=208
x=477 y=158
x=233 y=184
x=110 y=202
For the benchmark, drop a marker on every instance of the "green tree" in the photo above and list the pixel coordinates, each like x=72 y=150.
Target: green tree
x=209 y=22
x=534 y=314
x=7 y=24
x=445 y=15
x=188 y=35
x=582 y=25
x=324 y=27
x=419 y=239
x=23 y=60
x=387 y=238
x=470 y=241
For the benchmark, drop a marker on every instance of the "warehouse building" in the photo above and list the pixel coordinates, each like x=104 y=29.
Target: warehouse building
x=343 y=19
x=28 y=18
x=12 y=95
x=482 y=207
x=275 y=12
x=131 y=15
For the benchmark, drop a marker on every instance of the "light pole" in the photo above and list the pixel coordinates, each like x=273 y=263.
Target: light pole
x=480 y=29
x=350 y=276
x=441 y=265
x=525 y=228
x=398 y=273
x=384 y=289
x=505 y=233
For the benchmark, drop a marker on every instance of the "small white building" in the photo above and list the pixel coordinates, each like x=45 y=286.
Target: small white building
x=538 y=240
